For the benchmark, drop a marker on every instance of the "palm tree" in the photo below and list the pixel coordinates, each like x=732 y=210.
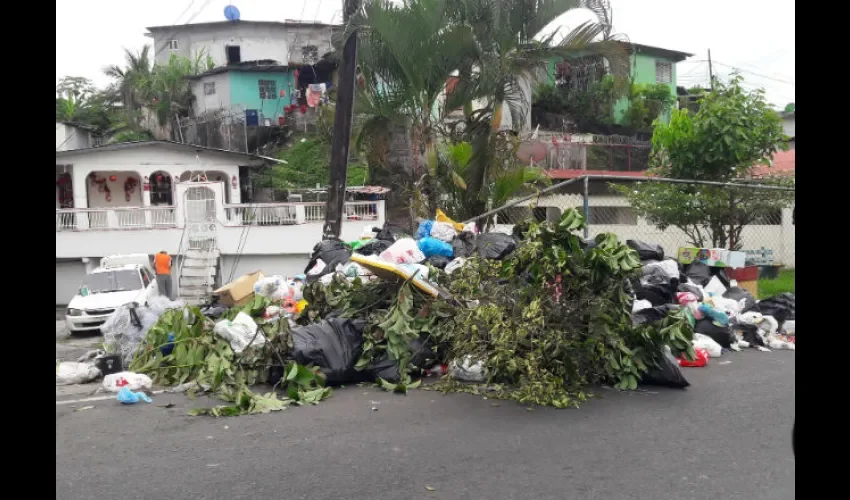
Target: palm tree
x=132 y=82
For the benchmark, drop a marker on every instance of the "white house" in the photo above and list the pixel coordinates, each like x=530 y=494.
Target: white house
x=144 y=197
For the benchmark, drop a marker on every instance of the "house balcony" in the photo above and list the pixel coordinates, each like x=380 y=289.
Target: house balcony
x=266 y=228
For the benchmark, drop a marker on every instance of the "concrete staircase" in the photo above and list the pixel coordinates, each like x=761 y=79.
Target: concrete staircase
x=197 y=278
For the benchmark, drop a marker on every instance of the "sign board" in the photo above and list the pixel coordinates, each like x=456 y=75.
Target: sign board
x=714 y=257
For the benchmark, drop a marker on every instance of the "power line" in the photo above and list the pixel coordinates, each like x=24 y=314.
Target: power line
x=191 y=18
x=755 y=74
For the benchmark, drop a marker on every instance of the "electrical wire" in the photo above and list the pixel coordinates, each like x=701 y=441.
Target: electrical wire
x=175 y=32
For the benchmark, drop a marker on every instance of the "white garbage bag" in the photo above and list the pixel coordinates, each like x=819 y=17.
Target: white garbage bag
x=75 y=373
x=789 y=327
x=468 y=370
x=133 y=381
x=669 y=268
x=241 y=332
x=443 y=231
x=715 y=286
x=272 y=287
x=454 y=265
x=701 y=341
x=403 y=251
x=640 y=305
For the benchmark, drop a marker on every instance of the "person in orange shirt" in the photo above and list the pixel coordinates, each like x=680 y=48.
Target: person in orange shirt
x=162 y=266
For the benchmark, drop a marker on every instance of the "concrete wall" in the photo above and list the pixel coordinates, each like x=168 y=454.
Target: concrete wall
x=270 y=265
x=245 y=92
x=117 y=196
x=69 y=276
x=643 y=72
x=219 y=100
x=69 y=137
x=788 y=126
x=275 y=41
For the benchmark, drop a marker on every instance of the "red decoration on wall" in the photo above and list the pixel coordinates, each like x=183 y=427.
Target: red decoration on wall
x=159 y=178
x=113 y=178
x=234 y=182
x=303 y=108
x=282 y=93
x=130 y=187
x=281 y=120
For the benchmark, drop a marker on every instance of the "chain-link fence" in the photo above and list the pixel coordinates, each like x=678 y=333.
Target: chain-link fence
x=755 y=218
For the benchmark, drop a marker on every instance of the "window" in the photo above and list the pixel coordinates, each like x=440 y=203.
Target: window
x=146 y=278
x=233 y=53
x=173 y=45
x=663 y=72
x=112 y=281
x=209 y=88
x=613 y=216
x=268 y=89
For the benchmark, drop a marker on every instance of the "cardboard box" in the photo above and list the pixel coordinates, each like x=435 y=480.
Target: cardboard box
x=714 y=257
x=239 y=291
x=750 y=286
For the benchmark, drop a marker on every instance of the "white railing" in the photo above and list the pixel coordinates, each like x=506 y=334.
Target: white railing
x=261 y=214
x=93 y=219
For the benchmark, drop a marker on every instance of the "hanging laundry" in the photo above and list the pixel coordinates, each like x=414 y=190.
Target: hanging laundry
x=315 y=92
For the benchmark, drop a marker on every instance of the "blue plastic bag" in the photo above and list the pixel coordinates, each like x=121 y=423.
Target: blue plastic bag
x=424 y=229
x=719 y=317
x=169 y=347
x=128 y=397
x=433 y=246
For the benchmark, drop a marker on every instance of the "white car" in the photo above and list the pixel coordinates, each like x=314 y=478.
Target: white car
x=119 y=280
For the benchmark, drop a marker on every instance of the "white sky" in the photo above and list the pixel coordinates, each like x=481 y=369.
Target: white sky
x=755 y=36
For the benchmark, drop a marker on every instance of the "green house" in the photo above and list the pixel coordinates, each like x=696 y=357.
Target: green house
x=648 y=65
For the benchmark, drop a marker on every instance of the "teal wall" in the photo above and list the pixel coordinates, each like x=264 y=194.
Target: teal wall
x=245 y=91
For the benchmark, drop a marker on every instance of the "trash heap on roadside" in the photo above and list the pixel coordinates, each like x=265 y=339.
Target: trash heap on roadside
x=536 y=316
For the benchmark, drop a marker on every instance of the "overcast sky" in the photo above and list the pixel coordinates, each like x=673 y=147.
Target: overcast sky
x=755 y=36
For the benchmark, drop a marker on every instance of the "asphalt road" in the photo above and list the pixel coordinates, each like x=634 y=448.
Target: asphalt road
x=726 y=437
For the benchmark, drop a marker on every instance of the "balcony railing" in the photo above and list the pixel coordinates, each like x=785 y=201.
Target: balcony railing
x=261 y=214
x=94 y=219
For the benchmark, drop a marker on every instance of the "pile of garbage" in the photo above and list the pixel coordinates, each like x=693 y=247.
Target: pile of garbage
x=536 y=316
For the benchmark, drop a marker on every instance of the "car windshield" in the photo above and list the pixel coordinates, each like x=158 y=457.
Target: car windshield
x=113 y=281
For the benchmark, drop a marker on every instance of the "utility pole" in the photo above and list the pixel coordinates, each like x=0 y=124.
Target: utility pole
x=341 y=139
x=710 y=72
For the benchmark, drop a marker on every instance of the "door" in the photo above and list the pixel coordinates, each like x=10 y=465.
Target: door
x=200 y=205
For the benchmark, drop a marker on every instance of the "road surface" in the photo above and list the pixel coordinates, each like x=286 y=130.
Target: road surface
x=727 y=437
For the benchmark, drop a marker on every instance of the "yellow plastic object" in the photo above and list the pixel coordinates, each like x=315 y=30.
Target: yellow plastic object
x=388 y=270
x=442 y=217
x=300 y=305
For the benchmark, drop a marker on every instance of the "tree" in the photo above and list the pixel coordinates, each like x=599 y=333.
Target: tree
x=734 y=131
x=132 y=83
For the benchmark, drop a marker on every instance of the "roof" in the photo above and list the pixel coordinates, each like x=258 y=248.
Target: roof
x=672 y=54
x=215 y=24
x=783 y=164
x=263 y=66
x=168 y=144
x=79 y=126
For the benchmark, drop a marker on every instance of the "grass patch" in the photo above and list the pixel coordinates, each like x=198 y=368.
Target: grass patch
x=784 y=283
x=308 y=165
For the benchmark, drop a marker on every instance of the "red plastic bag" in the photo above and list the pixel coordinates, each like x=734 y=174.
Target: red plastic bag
x=699 y=361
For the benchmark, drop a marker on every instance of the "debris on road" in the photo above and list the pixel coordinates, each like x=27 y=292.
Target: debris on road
x=128 y=397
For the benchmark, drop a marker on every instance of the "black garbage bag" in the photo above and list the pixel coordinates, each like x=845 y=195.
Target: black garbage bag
x=723 y=335
x=722 y=275
x=464 y=244
x=387 y=369
x=334 y=345
x=687 y=287
x=698 y=272
x=749 y=333
x=214 y=311
x=373 y=247
x=781 y=307
x=494 y=245
x=332 y=253
x=656 y=293
x=438 y=261
x=666 y=374
x=391 y=233
x=653 y=314
x=738 y=293
x=646 y=251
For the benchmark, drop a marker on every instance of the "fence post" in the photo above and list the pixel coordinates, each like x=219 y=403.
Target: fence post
x=629 y=157
x=586 y=209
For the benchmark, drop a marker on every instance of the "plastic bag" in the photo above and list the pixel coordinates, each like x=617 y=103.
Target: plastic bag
x=789 y=327
x=424 y=229
x=716 y=315
x=656 y=293
x=387 y=368
x=782 y=307
x=403 y=251
x=707 y=343
x=692 y=288
x=468 y=370
x=668 y=268
x=432 y=246
x=331 y=252
x=738 y=294
x=128 y=397
x=441 y=217
x=75 y=373
x=667 y=373
x=241 y=332
x=494 y=245
x=438 y=261
x=640 y=305
x=698 y=272
x=354 y=245
x=700 y=359
x=715 y=286
x=391 y=233
x=464 y=245
x=123 y=335
x=646 y=251
x=443 y=231
x=721 y=334
x=334 y=345
x=470 y=228
x=373 y=247
x=653 y=314
x=132 y=381
x=272 y=287
x=454 y=265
